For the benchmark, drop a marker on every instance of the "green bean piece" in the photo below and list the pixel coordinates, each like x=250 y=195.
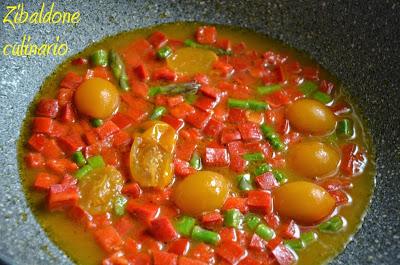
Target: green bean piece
x=308 y=87
x=78 y=158
x=96 y=122
x=279 y=176
x=195 y=161
x=119 y=205
x=332 y=225
x=345 y=128
x=265 y=232
x=204 y=235
x=262 y=169
x=252 y=221
x=295 y=244
x=80 y=173
x=253 y=156
x=218 y=51
x=99 y=58
x=164 y=52
x=184 y=225
x=308 y=237
x=257 y=105
x=238 y=103
x=244 y=182
x=272 y=137
x=118 y=68
x=158 y=112
x=96 y=161
x=322 y=97
x=173 y=89
x=264 y=90
x=233 y=218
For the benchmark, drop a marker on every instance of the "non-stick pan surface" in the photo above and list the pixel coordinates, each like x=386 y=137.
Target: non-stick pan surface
x=358 y=41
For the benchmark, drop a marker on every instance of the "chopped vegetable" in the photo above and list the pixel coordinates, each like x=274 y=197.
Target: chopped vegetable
x=244 y=182
x=308 y=87
x=78 y=158
x=83 y=171
x=264 y=90
x=272 y=137
x=206 y=236
x=195 y=161
x=233 y=218
x=308 y=237
x=334 y=224
x=252 y=221
x=218 y=51
x=119 y=205
x=158 y=112
x=173 y=89
x=184 y=225
x=247 y=104
x=99 y=58
x=345 y=128
x=164 y=52
x=96 y=161
x=322 y=97
x=253 y=156
x=265 y=232
x=280 y=176
x=118 y=68
x=261 y=169
x=295 y=244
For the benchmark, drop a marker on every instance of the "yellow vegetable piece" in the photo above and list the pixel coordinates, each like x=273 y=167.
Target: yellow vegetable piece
x=311 y=116
x=190 y=61
x=313 y=159
x=97 y=98
x=99 y=188
x=151 y=155
x=305 y=202
x=201 y=192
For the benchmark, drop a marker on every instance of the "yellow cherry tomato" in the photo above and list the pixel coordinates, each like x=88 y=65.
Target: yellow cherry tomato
x=190 y=61
x=97 y=98
x=304 y=202
x=312 y=159
x=99 y=188
x=201 y=192
x=151 y=157
x=311 y=116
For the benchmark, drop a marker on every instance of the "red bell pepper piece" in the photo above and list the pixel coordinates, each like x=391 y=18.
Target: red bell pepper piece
x=198 y=119
x=250 y=131
x=333 y=184
x=206 y=35
x=210 y=91
x=340 y=197
x=139 y=89
x=273 y=243
x=179 y=247
x=259 y=201
x=71 y=80
x=236 y=203
x=164 y=258
x=228 y=234
x=203 y=254
x=62 y=196
x=42 y=125
x=107 y=129
x=326 y=86
x=158 y=39
x=164 y=74
x=177 y=124
x=34 y=160
x=71 y=143
x=182 y=168
x=236 y=148
x=61 y=166
x=290 y=230
x=133 y=190
x=202 y=79
x=141 y=72
x=278 y=99
x=51 y=149
x=272 y=220
x=266 y=181
x=185 y=149
x=249 y=261
x=238 y=164
x=237 y=115
x=224 y=68
x=47 y=108
x=224 y=44
x=341 y=108
x=131 y=248
x=79 y=61
x=257 y=243
x=188 y=261
x=206 y=103
x=65 y=96
x=175 y=100
x=284 y=255
x=145 y=212
x=90 y=137
x=211 y=219
x=213 y=128
x=182 y=110
x=230 y=251
x=162 y=229
x=272 y=77
x=121 y=138
x=311 y=73
x=121 y=120
x=116 y=258
x=230 y=134
x=79 y=215
x=44 y=181
x=353 y=160
x=216 y=156
x=67 y=113
x=102 y=220
x=108 y=238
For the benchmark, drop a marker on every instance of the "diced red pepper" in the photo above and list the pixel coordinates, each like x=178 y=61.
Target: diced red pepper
x=121 y=120
x=224 y=68
x=165 y=74
x=162 y=229
x=273 y=243
x=326 y=86
x=79 y=61
x=230 y=251
x=164 y=258
x=108 y=238
x=69 y=181
x=121 y=138
x=182 y=168
x=237 y=115
x=140 y=89
x=133 y=190
x=272 y=220
x=179 y=247
x=79 y=215
x=236 y=148
x=278 y=98
x=198 y=119
x=58 y=129
x=61 y=166
x=67 y=113
x=102 y=220
x=228 y=234
x=158 y=39
x=224 y=44
x=211 y=219
x=213 y=128
x=71 y=80
x=203 y=254
x=175 y=100
x=34 y=160
x=145 y=212
x=238 y=164
x=177 y=124
x=71 y=143
x=206 y=35
x=290 y=230
x=333 y=184
x=257 y=243
x=210 y=91
x=107 y=129
x=340 y=197
x=47 y=108
x=131 y=248
x=42 y=125
x=249 y=261
x=217 y=157
x=272 y=77
x=141 y=72
x=283 y=255
x=44 y=181
x=250 y=131
x=65 y=96
x=266 y=181
x=236 y=203
x=353 y=160
x=188 y=261
x=182 y=110
x=205 y=103
x=202 y=79
x=230 y=134
x=51 y=149
x=185 y=149
x=341 y=108
x=117 y=258
x=62 y=196
x=311 y=73
x=260 y=201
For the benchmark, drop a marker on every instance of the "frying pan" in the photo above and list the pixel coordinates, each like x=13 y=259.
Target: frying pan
x=358 y=41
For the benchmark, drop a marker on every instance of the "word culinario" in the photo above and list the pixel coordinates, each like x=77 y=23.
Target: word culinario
x=17 y=15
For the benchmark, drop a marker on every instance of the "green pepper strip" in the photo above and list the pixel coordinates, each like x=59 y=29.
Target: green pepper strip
x=279 y=176
x=158 y=112
x=295 y=244
x=308 y=87
x=253 y=156
x=218 y=51
x=195 y=161
x=322 y=97
x=263 y=90
x=96 y=161
x=99 y=58
x=247 y=104
x=83 y=171
x=233 y=218
x=252 y=221
x=262 y=169
x=118 y=68
x=244 y=182
x=272 y=137
x=184 y=225
x=78 y=158
x=265 y=232
x=205 y=236
x=332 y=225
x=345 y=128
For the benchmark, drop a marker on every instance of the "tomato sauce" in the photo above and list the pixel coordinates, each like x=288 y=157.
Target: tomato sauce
x=195 y=144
